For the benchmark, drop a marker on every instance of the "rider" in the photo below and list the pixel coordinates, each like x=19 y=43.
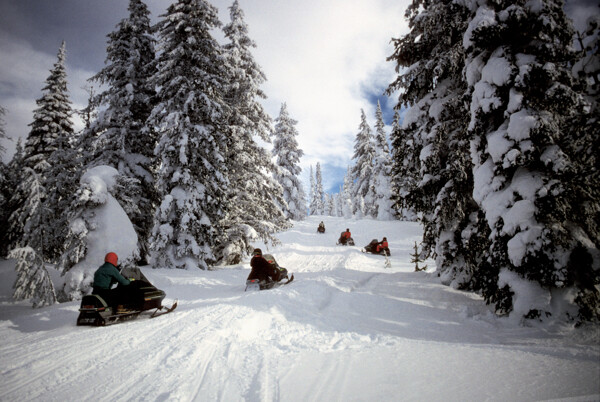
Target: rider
x=383 y=245
x=261 y=269
x=345 y=236
x=321 y=227
x=106 y=276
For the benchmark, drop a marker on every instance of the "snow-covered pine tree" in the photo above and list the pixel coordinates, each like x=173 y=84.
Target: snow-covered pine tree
x=404 y=170
x=98 y=223
x=13 y=176
x=432 y=161
x=4 y=188
x=319 y=193
x=347 y=194
x=382 y=166
x=192 y=178
x=285 y=149
x=522 y=103
x=255 y=198
x=51 y=117
x=313 y=208
x=51 y=120
x=120 y=135
x=33 y=280
x=347 y=207
x=62 y=178
x=364 y=153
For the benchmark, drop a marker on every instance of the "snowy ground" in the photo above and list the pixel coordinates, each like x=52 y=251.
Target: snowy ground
x=347 y=329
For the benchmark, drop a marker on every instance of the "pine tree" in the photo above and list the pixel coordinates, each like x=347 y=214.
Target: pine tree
x=192 y=179
x=404 y=170
x=51 y=126
x=319 y=194
x=4 y=188
x=527 y=157
x=432 y=169
x=9 y=234
x=33 y=280
x=313 y=208
x=255 y=198
x=285 y=149
x=347 y=209
x=382 y=205
x=120 y=136
x=364 y=153
x=50 y=118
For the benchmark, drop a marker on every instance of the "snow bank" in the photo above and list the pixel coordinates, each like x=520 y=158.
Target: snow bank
x=105 y=226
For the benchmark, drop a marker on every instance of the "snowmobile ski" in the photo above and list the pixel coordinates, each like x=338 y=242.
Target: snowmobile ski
x=255 y=284
x=164 y=310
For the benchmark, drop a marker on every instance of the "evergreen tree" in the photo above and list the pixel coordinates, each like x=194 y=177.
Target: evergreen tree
x=404 y=170
x=319 y=194
x=364 y=153
x=255 y=198
x=9 y=234
x=432 y=164
x=285 y=149
x=51 y=126
x=50 y=118
x=192 y=178
x=33 y=280
x=347 y=206
x=120 y=136
x=527 y=158
x=382 y=205
x=312 y=195
x=4 y=188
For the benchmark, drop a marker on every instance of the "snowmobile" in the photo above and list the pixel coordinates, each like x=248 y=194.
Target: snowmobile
x=321 y=229
x=349 y=242
x=255 y=284
x=372 y=248
x=95 y=311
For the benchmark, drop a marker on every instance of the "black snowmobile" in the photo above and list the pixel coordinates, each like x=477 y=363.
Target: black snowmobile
x=255 y=284
x=321 y=229
x=372 y=248
x=94 y=310
x=349 y=242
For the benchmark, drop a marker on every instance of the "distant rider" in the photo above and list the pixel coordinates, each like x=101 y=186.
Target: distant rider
x=383 y=246
x=321 y=228
x=345 y=236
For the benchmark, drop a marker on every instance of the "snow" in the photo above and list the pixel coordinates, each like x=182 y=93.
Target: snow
x=109 y=229
x=347 y=329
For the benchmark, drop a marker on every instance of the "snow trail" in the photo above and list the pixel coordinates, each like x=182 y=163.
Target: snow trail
x=346 y=329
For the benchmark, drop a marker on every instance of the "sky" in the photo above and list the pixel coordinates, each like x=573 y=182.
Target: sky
x=325 y=59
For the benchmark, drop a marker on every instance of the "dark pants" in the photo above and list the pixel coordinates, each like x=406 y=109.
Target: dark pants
x=113 y=297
